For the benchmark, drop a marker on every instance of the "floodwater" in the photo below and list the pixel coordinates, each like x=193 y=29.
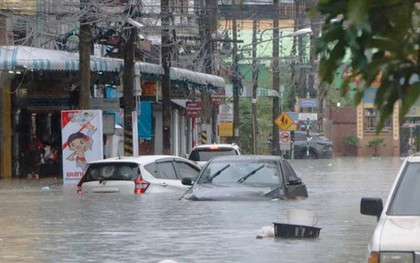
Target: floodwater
x=44 y=221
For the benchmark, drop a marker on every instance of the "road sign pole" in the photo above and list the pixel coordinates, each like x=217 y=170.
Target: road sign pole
x=307 y=137
x=292 y=146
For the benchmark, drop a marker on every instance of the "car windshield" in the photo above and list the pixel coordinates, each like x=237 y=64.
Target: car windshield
x=242 y=172
x=111 y=171
x=405 y=199
x=207 y=154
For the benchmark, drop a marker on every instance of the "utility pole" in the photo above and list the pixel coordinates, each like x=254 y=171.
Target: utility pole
x=208 y=25
x=84 y=56
x=128 y=90
x=255 y=69
x=275 y=147
x=166 y=78
x=236 y=80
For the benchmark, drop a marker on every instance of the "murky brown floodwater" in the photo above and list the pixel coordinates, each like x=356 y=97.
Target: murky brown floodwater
x=44 y=221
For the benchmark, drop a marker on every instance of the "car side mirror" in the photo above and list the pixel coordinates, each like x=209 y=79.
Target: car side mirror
x=371 y=206
x=187 y=181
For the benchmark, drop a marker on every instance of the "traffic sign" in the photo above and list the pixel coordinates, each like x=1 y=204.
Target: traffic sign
x=307 y=103
x=284 y=121
x=285 y=136
x=308 y=116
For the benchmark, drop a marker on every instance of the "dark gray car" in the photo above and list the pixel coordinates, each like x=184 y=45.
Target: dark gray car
x=246 y=177
x=314 y=146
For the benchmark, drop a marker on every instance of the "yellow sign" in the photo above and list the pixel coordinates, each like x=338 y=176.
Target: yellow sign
x=225 y=129
x=292 y=127
x=284 y=121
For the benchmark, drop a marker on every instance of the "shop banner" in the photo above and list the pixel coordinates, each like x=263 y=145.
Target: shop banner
x=82 y=137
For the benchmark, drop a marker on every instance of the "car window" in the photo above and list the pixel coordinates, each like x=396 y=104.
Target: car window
x=289 y=173
x=112 y=171
x=404 y=201
x=207 y=154
x=261 y=172
x=184 y=169
x=161 y=170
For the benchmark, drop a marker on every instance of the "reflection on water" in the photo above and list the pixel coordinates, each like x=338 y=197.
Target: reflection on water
x=44 y=221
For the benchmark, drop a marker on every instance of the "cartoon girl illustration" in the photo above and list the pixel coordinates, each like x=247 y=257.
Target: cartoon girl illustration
x=80 y=143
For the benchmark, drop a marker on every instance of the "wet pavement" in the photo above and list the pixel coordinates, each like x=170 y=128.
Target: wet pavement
x=44 y=221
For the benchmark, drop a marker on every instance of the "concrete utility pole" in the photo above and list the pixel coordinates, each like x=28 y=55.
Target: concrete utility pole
x=208 y=25
x=236 y=80
x=128 y=91
x=255 y=69
x=85 y=42
x=166 y=78
x=275 y=147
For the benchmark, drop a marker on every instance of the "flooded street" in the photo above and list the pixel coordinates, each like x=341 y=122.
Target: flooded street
x=44 y=221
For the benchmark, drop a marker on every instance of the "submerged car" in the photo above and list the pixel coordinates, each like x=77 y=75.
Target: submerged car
x=312 y=146
x=201 y=154
x=245 y=177
x=396 y=236
x=151 y=173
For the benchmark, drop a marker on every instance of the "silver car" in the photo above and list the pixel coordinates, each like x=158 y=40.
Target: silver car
x=202 y=153
x=138 y=175
x=396 y=238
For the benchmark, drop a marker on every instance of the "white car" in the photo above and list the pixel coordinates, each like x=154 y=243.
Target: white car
x=396 y=238
x=200 y=154
x=147 y=173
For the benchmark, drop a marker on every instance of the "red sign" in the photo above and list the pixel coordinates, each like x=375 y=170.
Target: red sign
x=193 y=109
x=285 y=136
x=218 y=97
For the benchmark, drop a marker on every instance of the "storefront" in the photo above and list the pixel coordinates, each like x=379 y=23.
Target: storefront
x=37 y=84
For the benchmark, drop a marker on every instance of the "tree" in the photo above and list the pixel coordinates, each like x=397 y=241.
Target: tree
x=382 y=40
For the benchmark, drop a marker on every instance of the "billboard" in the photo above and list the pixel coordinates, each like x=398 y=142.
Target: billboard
x=20 y=7
x=82 y=136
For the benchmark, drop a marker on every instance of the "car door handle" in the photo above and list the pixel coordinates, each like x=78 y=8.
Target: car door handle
x=164 y=184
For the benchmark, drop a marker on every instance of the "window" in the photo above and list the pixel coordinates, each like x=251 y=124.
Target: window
x=185 y=170
x=254 y=172
x=207 y=154
x=112 y=171
x=289 y=173
x=371 y=119
x=161 y=170
x=405 y=198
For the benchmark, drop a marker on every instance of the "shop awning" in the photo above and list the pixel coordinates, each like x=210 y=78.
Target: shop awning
x=31 y=58
x=23 y=57
x=197 y=78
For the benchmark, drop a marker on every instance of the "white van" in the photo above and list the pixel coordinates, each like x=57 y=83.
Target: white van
x=396 y=238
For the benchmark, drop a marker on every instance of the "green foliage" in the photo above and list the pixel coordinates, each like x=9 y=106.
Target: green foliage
x=265 y=127
x=350 y=140
x=375 y=144
x=379 y=36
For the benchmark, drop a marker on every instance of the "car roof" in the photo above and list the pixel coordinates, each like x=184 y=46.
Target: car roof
x=310 y=133
x=226 y=145
x=247 y=157
x=142 y=159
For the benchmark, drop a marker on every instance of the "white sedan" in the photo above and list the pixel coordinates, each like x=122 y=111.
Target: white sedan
x=140 y=174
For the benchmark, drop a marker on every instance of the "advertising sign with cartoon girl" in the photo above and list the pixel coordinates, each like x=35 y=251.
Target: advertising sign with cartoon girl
x=81 y=131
